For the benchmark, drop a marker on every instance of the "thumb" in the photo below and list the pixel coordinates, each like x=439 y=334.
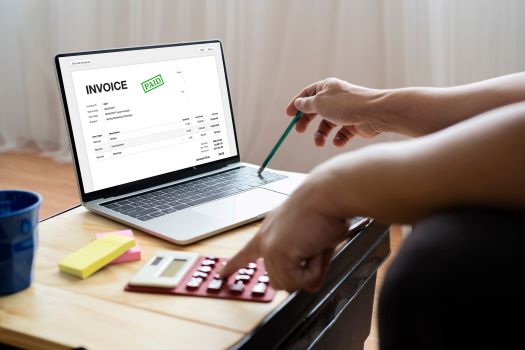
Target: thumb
x=306 y=104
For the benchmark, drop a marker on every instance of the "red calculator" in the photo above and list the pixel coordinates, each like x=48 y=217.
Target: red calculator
x=183 y=273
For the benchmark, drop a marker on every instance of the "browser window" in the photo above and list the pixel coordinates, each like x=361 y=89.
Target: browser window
x=141 y=113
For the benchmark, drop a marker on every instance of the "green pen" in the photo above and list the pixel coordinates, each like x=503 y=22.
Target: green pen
x=279 y=143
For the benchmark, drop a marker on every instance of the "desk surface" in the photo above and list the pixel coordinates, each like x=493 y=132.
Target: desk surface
x=59 y=311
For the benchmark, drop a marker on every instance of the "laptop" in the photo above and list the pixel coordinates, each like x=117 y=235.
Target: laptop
x=154 y=143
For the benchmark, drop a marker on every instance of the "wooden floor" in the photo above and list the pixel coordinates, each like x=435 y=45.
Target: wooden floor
x=56 y=183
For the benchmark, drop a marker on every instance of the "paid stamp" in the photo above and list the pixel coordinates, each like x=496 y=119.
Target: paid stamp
x=152 y=83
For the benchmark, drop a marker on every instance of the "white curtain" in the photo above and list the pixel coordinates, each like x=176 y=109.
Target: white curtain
x=272 y=47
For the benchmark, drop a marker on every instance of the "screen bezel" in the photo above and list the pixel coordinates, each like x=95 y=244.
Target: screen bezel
x=154 y=180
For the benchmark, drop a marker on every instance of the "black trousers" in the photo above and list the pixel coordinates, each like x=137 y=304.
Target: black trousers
x=457 y=283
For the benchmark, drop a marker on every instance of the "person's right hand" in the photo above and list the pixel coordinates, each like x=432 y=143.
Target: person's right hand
x=355 y=109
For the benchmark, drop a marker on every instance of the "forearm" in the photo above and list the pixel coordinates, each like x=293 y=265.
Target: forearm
x=420 y=111
x=480 y=162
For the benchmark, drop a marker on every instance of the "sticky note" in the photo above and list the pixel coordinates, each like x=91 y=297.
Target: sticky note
x=95 y=255
x=132 y=254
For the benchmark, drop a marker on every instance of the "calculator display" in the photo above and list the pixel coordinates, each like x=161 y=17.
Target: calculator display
x=174 y=266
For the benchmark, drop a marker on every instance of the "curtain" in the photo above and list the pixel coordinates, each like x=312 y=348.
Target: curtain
x=273 y=48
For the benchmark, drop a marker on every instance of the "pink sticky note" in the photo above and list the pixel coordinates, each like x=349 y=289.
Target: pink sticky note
x=132 y=254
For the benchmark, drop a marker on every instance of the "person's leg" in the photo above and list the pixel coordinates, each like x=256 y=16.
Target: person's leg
x=456 y=283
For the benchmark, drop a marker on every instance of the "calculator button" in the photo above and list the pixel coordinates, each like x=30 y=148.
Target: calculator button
x=194 y=283
x=259 y=289
x=242 y=278
x=251 y=265
x=237 y=288
x=214 y=286
x=211 y=257
x=264 y=279
x=208 y=262
x=249 y=272
x=204 y=269
x=199 y=274
x=217 y=277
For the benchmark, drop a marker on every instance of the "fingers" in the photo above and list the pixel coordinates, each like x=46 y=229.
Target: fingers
x=310 y=90
x=343 y=136
x=250 y=252
x=302 y=123
x=279 y=278
x=322 y=132
x=306 y=102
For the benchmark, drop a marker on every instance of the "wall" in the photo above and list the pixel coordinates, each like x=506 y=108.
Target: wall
x=272 y=49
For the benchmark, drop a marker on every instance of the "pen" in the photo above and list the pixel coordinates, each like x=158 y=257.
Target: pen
x=279 y=142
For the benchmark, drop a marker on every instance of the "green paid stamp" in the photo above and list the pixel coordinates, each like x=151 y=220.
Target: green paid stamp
x=152 y=83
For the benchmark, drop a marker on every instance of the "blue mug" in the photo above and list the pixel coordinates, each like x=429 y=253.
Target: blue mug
x=18 y=238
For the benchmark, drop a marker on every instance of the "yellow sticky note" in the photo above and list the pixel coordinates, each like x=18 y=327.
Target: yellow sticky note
x=95 y=255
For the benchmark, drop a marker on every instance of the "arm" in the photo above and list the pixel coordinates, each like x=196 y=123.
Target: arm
x=421 y=111
x=411 y=111
x=480 y=162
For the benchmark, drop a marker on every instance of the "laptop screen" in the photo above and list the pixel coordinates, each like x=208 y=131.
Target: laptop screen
x=136 y=114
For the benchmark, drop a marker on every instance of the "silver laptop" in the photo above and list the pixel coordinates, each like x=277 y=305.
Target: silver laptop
x=154 y=143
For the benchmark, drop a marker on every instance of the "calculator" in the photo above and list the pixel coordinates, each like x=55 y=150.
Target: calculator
x=182 y=273
x=165 y=269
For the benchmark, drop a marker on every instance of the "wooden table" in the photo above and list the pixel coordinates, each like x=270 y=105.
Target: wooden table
x=59 y=311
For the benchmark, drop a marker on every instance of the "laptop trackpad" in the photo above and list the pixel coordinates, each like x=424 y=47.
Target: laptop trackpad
x=192 y=224
x=243 y=206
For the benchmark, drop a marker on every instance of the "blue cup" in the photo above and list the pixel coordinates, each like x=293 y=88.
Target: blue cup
x=18 y=238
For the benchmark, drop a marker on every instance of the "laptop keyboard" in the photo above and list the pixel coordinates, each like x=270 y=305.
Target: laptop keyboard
x=163 y=201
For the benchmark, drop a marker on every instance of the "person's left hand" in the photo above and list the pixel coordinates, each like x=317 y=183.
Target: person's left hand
x=296 y=240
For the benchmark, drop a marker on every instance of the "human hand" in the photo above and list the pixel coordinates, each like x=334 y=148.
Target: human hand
x=355 y=109
x=296 y=240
